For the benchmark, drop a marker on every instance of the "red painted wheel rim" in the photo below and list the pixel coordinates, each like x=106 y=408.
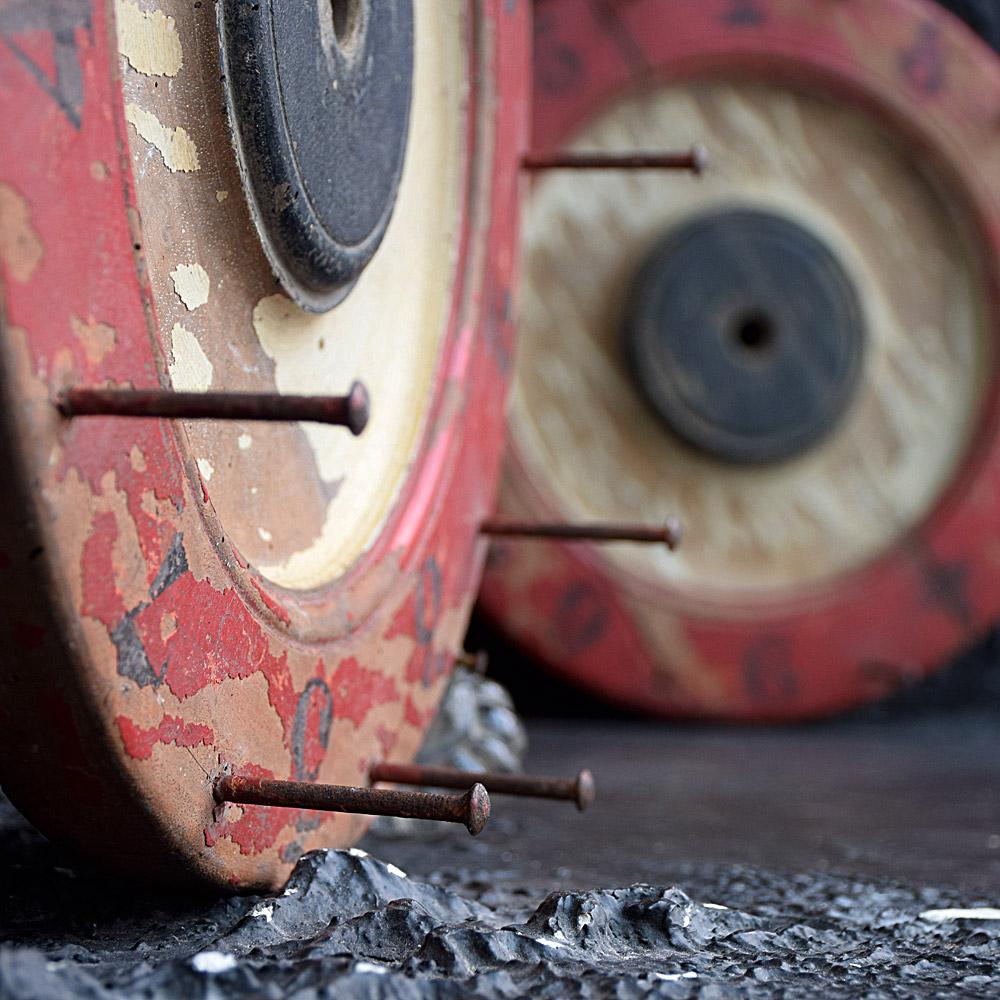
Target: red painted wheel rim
x=339 y=676
x=860 y=635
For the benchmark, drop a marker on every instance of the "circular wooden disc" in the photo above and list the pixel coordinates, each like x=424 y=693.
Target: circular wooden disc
x=806 y=585
x=183 y=600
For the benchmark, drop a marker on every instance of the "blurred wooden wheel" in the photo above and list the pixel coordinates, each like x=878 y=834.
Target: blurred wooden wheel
x=795 y=354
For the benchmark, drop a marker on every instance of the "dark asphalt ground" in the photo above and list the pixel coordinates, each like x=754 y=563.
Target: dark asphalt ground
x=912 y=799
x=825 y=843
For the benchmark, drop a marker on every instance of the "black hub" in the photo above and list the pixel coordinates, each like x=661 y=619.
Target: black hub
x=745 y=335
x=319 y=97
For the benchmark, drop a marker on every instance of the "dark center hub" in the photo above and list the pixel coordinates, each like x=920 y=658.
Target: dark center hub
x=319 y=97
x=745 y=335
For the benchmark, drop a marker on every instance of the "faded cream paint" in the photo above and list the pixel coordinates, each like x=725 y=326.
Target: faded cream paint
x=206 y=469
x=388 y=331
x=244 y=441
x=192 y=285
x=148 y=40
x=589 y=442
x=190 y=369
x=174 y=144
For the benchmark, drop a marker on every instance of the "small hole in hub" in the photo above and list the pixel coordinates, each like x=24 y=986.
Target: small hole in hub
x=346 y=21
x=754 y=332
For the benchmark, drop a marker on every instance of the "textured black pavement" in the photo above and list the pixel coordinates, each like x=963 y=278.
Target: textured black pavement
x=824 y=844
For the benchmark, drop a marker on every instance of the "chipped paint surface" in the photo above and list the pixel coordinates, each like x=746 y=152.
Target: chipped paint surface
x=183 y=661
x=97 y=338
x=174 y=144
x=148 y=39
x=192 y=285
x=20 y=248
x=190 y=369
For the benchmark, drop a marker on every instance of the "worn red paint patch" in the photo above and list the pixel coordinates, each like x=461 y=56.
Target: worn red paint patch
x=412 y=715
x=101 y=597
x=357 y=690
x=386 y=740
x=139 y=742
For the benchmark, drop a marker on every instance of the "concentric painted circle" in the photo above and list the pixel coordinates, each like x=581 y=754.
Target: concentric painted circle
x=835 y=570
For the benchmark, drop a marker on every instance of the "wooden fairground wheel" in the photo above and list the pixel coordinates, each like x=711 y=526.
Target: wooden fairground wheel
x=247 y=595
x=794 y=353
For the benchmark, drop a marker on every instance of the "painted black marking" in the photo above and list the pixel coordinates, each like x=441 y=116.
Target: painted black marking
x=948 y=585
x=558 y=66
x=607 y=14
x=768 y=670
x=499 y=332
x=133 y=661
x=923 y=63
x=430 y=580
x=580 y=620
x=744 y=14
x=301 y=723
x=174 y=565
x=61 y=18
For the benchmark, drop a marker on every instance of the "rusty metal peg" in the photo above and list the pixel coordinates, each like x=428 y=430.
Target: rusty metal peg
x=668 y=534
x=351 y=411
x=472 y=809
x=694 y=160
x=579 y=790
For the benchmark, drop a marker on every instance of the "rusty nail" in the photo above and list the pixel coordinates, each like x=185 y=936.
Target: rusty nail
x=579 y=789
x=471 y=809
x=477 y=662
x=349 y=411
x=669 y=534
x=694 y=159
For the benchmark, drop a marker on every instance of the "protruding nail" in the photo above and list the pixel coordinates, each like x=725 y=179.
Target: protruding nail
x=694 y=160
x=351 y=411
x=669 y=534
x=472 y=809
x=579 y=789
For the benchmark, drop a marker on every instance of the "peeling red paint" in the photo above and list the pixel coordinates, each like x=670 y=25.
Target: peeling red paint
x=357 y=690
x=139 y=742
x=101 y=598
x=412 y=715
